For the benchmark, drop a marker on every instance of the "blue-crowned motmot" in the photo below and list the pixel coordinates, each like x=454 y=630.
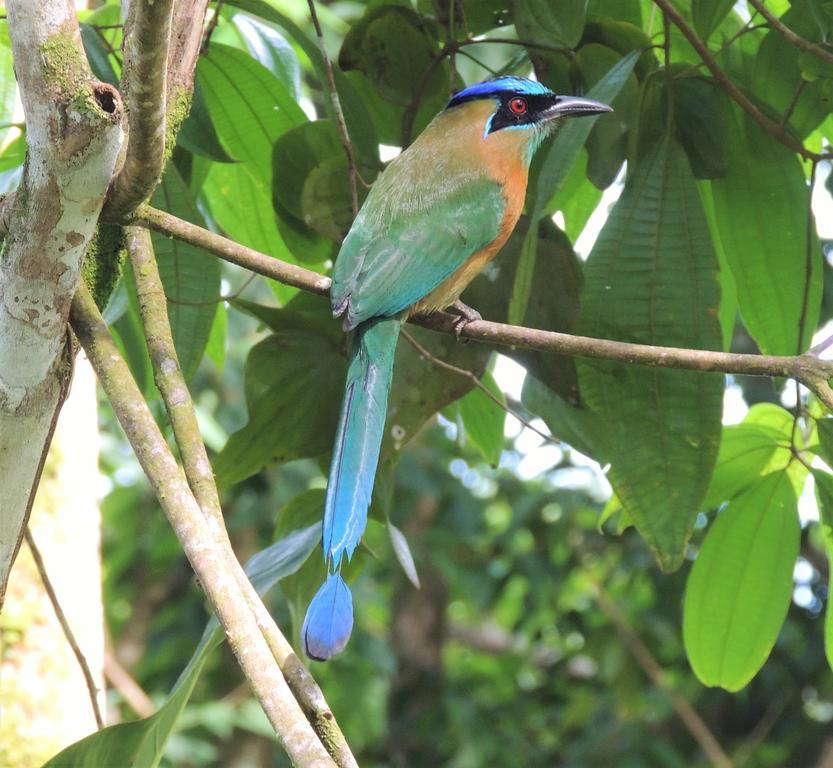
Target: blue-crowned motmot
x=434 y=218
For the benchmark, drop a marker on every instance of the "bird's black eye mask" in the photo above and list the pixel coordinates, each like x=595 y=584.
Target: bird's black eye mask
x=519 y=109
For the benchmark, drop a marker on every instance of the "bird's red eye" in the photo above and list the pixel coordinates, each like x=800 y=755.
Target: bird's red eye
x=518 y=105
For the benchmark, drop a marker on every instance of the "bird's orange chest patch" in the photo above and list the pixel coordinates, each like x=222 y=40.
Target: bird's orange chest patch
x=502 y=156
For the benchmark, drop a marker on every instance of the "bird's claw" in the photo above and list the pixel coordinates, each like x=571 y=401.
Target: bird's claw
x=466 y=314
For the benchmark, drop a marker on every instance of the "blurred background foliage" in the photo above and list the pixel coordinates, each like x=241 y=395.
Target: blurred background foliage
x=543 y=632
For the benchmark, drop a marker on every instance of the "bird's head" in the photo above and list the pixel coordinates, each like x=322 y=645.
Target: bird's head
x=524 y=106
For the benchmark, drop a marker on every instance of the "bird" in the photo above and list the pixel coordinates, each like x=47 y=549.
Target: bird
x=437 y=214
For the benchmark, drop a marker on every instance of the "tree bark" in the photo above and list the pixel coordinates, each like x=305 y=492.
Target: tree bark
x=74 y=135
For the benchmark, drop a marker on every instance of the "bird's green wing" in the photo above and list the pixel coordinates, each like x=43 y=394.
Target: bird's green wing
x=394 y=255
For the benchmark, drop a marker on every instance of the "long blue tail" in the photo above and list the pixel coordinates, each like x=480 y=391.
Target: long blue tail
x=329 y=618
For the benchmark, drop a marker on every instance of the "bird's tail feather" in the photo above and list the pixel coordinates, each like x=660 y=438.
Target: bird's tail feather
x=361 y=427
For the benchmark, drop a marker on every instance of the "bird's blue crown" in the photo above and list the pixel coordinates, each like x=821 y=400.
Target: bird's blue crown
x=499 y=85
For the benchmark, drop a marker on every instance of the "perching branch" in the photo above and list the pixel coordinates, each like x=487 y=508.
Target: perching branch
x=198 y=537
x=147 y=36
x=339 y=113
x=806 y=368
x=791 y=37
x=180 y=408
x=770 y=126
x=67 y=630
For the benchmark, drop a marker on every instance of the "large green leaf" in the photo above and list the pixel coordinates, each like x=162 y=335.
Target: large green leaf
x=762 y=226
x=272 y=50
x=778 y=77
x=747 y=453
x=651 y=278
x=551 y=172
x=141 y=743
x=197 y=133
x=360 y=126
x=191 y=277
x=312 y=180
x=824 y=492
x=553 y=24
x=393 y=46
x=483 y=419
x=250 y=107
x=708 y=14
x=294 y=382
x=739 y=589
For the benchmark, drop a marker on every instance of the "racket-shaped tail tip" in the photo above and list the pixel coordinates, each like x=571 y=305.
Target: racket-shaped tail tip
x=329 y=620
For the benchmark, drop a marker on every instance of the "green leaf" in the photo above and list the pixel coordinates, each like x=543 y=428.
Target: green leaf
x=393 y=46
x=403 y=553
x=191 y=276
x=98 y=55
x=763 y=232
x=141 y=743
x=294 y=383
x=484 y=419
x=778 y=80
x=129 y=333
x=307 y=508
x=747 y=453
x=360 y=126
x=739 y=589
x=215 y=349
x=312 y=180
x=198 y=134
x=698 y=118
x=552 y=171
x=651 y=279
x=553 y=24
x=825 y=430
x=824 y=492
x=272 y=50
x=250 y=107
x=709 y=14
x=581 y=428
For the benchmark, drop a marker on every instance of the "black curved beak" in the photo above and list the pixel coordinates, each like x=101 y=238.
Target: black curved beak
x=575 y=106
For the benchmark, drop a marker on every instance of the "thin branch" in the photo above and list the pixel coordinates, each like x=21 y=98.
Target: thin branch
x=809 y=236
x=180 y=408
x=198 y=537
x=687 y=714
x=791 y=37
x=470 y=375
x=807 y=368
x=212 y=25
x=144 y=85
x=67 y=630
x=339 y=114
x=770 y=126
x=127 y=686
x=410 y=113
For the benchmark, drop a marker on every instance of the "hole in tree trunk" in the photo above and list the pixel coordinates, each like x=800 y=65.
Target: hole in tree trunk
x=106 y=97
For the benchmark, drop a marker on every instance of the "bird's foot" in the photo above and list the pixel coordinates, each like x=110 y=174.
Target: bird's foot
x=466 y=315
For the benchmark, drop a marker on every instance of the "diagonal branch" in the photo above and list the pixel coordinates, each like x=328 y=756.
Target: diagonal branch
x=807 y=368
x=687 y=714
x=775 y=130
x=65 y=627
x=198 y=537
x=791 y=37
x=174 y=390
x=144 y=85
x=339 y=113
